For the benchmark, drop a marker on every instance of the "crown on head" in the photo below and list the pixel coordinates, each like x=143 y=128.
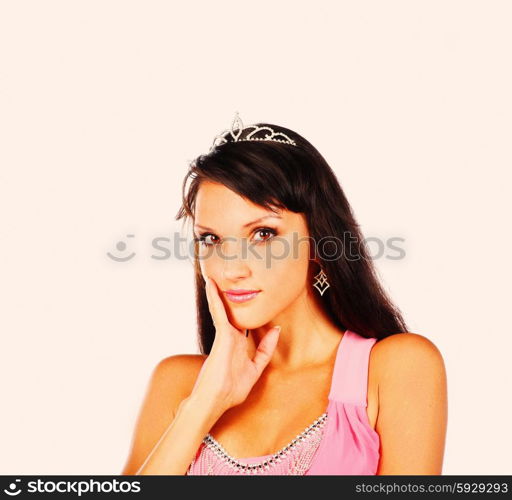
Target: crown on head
x=237 y=128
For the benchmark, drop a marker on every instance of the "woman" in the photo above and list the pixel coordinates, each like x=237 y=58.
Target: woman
x=306 y=365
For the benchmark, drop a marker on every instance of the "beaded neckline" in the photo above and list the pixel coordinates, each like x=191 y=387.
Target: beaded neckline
x=276 y=457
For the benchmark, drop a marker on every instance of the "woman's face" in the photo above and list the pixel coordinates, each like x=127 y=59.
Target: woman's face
x=240 y=252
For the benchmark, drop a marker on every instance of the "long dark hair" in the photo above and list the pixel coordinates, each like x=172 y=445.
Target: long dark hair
x=297 y=178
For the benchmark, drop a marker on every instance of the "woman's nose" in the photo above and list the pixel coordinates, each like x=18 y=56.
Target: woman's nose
x=235 y=264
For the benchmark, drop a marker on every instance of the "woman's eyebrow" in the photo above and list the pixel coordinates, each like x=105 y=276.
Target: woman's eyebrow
x=245 y=225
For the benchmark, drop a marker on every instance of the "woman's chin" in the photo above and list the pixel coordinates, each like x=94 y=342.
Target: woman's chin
x=243 y=324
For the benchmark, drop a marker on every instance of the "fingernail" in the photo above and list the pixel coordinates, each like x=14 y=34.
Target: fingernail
x=278 y=328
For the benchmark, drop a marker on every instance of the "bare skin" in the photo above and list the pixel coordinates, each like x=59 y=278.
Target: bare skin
x=410 y=417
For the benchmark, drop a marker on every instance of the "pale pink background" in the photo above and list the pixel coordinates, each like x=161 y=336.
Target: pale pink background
x=103 y=102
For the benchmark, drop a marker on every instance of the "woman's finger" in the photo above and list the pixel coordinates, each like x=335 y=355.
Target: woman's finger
x=215 y=304
x=265 y=349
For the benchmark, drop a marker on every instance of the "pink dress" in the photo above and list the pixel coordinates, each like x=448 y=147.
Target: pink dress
x=339 y=442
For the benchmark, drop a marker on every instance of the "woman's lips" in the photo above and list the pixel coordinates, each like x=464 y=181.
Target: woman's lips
x=241 y=297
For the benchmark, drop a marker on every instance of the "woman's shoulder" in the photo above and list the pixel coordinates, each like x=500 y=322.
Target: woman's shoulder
x=179 y=370
x=405 y=355
x=401 y=347
x=185 y=361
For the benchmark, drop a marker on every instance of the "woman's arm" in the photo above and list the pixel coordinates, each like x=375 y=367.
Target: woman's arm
x=413 y=408
x=169 y=415
x=178 y=445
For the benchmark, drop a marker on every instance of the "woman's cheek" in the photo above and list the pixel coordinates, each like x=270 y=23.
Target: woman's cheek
x=284 y=281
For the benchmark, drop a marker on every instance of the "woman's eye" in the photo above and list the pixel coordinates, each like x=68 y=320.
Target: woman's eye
x=266 y=230
x=203 y=239
x=206 y=240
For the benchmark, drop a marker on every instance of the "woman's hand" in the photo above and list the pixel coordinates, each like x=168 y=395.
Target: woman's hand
x=228 y=374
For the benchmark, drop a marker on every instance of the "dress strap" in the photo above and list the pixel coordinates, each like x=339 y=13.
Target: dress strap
x=350 y=376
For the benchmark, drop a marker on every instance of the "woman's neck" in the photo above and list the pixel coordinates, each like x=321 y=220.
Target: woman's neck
x=307 y=336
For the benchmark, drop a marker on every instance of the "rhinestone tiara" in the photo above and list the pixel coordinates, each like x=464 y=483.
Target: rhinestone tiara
x=237 y=128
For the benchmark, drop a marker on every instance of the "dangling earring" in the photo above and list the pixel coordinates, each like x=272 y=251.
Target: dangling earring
x=321 y=283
